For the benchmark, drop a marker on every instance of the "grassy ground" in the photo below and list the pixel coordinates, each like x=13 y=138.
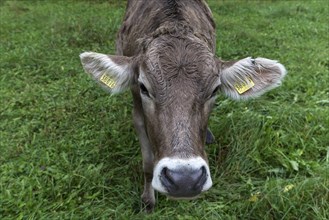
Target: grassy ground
x=69 y=151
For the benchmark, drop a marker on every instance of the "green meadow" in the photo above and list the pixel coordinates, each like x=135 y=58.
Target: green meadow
x=68 y=150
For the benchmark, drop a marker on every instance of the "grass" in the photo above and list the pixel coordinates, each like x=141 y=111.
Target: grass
x=69 y=151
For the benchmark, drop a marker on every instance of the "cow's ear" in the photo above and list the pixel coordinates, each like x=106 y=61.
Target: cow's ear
x=248 y=78
x=113 y=73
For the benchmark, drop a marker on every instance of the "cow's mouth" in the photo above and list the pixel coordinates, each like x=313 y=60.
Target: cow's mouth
x=183 y=182
x=181 y=178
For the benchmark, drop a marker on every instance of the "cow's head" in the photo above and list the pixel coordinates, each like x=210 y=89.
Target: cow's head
x=178 y=80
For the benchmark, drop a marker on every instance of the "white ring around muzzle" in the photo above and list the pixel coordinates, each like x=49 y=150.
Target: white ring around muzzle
x=175 y=164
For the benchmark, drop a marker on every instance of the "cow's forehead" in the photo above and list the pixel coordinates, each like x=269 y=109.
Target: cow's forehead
x=179 y=60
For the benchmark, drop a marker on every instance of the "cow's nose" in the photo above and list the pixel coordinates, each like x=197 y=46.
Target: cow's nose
x=184 y=182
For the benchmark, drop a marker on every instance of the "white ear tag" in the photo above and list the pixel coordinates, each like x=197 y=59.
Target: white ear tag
x=107 y=80
x=244 y=86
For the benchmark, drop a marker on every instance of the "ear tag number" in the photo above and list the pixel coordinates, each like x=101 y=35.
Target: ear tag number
x=107 y=80
x=244 y=86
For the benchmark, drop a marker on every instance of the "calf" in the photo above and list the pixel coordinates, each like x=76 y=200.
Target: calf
x=166 y=56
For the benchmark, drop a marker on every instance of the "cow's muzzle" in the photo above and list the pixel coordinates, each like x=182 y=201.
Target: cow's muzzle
x=181 y=178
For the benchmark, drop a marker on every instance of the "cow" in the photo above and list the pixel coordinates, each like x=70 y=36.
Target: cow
x=165 y=54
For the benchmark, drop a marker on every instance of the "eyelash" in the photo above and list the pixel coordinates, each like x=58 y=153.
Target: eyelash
x=144 y=90
x=214 y=93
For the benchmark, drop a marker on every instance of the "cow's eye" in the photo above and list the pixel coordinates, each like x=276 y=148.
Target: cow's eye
x=143 y=89
x=214 y=93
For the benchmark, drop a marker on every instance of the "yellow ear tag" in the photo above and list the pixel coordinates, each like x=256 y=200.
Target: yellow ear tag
x=244 y=86
x=107 y=80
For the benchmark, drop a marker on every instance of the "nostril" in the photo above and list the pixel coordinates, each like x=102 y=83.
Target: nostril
x=181 y=178
x=167 y=179
x=184 y=180
x=201 y=178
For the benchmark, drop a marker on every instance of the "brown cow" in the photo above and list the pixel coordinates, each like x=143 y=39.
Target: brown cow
x=166 y=56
